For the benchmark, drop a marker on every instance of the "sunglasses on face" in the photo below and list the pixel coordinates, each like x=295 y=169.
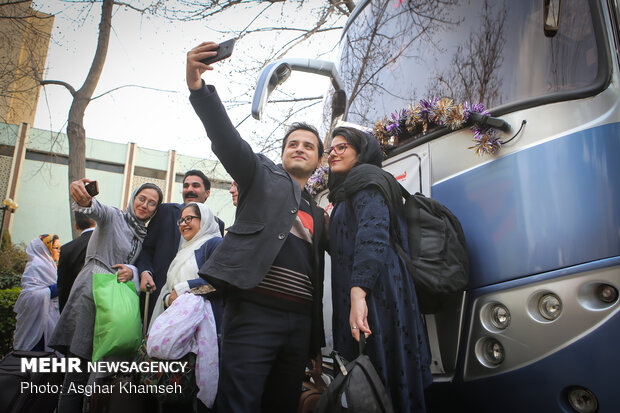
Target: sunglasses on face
x=186 y=219
x=338 y=149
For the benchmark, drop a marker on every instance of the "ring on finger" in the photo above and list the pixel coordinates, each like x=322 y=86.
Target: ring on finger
x=353 y=327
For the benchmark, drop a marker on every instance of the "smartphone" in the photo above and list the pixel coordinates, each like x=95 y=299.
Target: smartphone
x=223 y=52
x=92 y=188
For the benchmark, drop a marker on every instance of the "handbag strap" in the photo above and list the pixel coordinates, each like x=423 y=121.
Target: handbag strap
x=146 y=312
x=362 y=343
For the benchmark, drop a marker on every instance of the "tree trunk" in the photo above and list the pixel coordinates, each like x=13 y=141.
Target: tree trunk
x=77 y=157
x=75 y=126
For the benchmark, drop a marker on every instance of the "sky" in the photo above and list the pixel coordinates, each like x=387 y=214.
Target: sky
x=150 y=52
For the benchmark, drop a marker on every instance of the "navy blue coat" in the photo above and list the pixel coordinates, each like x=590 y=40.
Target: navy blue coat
x=362 y=256
x=159 y=248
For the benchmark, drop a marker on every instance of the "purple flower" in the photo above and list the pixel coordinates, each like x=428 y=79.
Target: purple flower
x=478 y=108
x=393 y=127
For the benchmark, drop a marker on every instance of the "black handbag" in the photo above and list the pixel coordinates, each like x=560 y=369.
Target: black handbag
x=14 y=399
x=357 y=388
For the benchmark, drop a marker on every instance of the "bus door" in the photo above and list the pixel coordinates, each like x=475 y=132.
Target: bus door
x=412 y=169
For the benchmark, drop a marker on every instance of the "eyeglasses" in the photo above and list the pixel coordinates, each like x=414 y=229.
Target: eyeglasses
x=186 y=219
x=338 y=149
x=142 y=199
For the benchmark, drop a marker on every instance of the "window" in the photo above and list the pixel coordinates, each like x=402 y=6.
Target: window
x=397 y=52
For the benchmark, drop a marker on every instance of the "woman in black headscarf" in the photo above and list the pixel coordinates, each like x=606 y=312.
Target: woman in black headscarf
x=372 y=291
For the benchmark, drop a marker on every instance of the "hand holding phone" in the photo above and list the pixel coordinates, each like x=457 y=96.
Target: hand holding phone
x=92 y=188
x=224 y=51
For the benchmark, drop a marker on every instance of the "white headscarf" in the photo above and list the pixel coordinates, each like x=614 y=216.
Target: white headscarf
x=37 y=313
x=184 y=266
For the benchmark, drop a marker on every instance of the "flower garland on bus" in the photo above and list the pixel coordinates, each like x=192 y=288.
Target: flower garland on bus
x=427 y=114
x=318 y=181
x=419 y=119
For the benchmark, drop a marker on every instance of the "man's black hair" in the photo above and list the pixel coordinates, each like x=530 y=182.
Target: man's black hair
x=303 y=126
x=83 y=221
x=196 y=172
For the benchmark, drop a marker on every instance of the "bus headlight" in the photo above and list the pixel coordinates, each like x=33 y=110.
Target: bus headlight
x=490 y=352
x=582 y=400
x=607 y=293
x=500 y=316
x=550 y=306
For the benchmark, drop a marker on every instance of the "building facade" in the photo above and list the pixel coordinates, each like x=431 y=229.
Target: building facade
x=34 y=173
x=24 y=41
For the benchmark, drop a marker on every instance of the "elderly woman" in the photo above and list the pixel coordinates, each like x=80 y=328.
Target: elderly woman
x=116 y=241
x=372 y=291
x=37 y=304
x=200 y=235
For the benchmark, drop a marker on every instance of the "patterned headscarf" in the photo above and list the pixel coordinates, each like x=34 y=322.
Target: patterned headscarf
x=138 y=226
x=48 y=240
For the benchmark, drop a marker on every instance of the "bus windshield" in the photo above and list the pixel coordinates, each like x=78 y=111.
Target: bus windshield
x=497 y=53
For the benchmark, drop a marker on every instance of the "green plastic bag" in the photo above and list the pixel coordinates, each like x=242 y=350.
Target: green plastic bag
x=117 y=319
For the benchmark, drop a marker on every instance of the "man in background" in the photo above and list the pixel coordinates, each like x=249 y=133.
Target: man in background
x=234 y=193
x=72 y=257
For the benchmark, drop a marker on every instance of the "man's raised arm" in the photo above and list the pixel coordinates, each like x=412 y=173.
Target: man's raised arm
x=235 y=154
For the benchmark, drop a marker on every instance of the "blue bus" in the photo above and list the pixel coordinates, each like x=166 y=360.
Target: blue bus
x=538 y=328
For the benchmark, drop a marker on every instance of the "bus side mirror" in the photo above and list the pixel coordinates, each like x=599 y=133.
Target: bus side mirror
x=551 y=18
x=273 y=75
x=277 y=72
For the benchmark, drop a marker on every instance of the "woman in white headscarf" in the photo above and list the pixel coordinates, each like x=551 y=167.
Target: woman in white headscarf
x=37 y=304
x=191 y=324
x=200 y=235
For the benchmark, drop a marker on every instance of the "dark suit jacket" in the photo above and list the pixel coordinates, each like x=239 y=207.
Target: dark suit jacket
x=267 y=207
x=160 y=246
x=70 y=262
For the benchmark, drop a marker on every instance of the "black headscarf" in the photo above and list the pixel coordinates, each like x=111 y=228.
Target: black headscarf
x=366 y=173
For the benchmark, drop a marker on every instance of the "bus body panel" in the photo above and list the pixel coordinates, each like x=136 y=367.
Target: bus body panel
x=590 y=362
x=586 y=360
x=549 y=206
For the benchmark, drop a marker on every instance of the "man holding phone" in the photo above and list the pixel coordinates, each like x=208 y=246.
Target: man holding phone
x=271 y=259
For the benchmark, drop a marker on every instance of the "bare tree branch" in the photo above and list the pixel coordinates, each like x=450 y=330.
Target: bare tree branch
x=13 y=3
x=268 y=142
x=149 y=8
x=136 y=86
x=60 y=83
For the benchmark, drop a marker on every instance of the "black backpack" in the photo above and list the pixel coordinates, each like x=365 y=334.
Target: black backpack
x=357 y=388
x=437 y=258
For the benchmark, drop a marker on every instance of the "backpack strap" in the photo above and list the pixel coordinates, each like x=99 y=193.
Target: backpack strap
x=413 y=226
